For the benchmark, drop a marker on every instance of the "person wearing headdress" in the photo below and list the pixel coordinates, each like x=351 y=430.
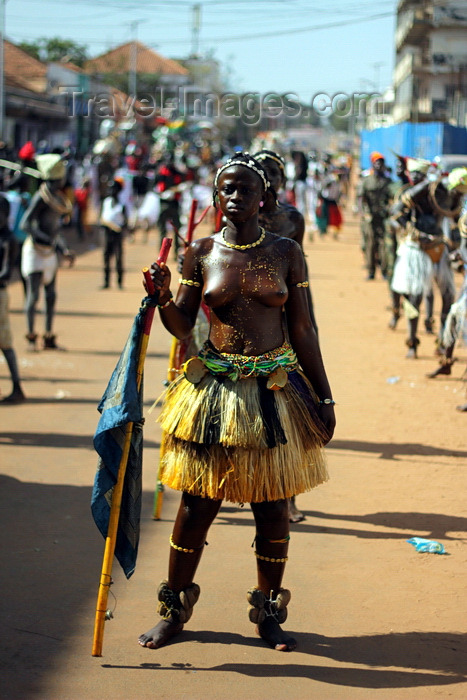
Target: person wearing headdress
x=375 y=194
x=422 y=254
x=247 y=418
x=27 y=159
x=39 y=260
x=169 y=184
x=447 y=199
x=456 y=317
x=283 y=219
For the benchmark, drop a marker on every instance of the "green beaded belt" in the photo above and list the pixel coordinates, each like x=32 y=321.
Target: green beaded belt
x=242 y=366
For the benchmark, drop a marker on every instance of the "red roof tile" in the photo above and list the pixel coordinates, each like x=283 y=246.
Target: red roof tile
x=147 y=61
x=23 y=70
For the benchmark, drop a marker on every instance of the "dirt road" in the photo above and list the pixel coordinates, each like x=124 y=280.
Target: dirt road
x=372 y=616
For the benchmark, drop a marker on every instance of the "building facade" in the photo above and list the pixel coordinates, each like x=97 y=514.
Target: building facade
x=430 y=75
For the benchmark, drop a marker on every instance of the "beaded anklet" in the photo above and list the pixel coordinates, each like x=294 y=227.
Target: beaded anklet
x=186 y=550
x=272 y=560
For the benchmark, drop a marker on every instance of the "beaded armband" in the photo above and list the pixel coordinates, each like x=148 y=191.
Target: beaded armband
x=302 y=284
x=167 y=303
x=190 y=283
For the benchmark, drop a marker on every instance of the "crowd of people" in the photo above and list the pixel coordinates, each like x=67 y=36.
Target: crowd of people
x=414 y=232
x=121 y=190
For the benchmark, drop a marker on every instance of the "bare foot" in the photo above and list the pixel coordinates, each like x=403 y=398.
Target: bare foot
x=295 y=515
x=16 y=396
x=272 y=633
x=462 y=408
x=160 y=634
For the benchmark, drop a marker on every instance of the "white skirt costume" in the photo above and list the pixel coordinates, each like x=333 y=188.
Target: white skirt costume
x=413 y=270
x=39 y=258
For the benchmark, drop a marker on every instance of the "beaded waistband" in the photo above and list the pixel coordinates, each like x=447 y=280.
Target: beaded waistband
x=242 y=366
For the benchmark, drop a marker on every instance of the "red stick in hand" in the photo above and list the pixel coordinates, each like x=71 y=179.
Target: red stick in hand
x=162 y=258
x=191 y=222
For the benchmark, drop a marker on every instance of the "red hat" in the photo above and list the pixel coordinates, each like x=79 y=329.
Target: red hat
x=27 y=152
x=375 y=155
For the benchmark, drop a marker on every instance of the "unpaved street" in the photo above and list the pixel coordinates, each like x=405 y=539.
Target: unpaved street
x=373 y=618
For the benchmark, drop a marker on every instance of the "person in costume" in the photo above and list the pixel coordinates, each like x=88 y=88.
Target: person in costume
x=168 y=182
x=447 y=201
x=283 y=219
x=113 y=220
x=328 y=213
x=457 y=313
x=19 y=197
x=39 y=259
x=375 y=198
x=8 y=248
x=419 y=212
x=300 y=162
x=248 y=417
x=392 y=234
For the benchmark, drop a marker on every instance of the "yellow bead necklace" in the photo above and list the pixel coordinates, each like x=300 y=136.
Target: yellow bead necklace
x=248 y=245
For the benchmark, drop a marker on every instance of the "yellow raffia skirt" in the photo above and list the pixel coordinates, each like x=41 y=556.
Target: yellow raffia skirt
x=235 y=438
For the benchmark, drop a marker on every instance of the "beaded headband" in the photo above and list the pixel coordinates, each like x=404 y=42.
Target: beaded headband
x=263 y=155
x=250 y=163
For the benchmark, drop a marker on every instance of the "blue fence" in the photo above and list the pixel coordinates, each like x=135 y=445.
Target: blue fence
x=417 y=140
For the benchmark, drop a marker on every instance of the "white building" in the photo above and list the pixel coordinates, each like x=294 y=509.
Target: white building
x=430 y=76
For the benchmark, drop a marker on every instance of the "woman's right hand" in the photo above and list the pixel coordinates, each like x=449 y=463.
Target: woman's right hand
x=161 y=276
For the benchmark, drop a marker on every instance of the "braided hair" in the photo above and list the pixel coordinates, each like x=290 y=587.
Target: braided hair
x=247 y=161
x=264 y=154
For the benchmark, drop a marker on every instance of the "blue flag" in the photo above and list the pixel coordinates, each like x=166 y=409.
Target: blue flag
x=121 y=403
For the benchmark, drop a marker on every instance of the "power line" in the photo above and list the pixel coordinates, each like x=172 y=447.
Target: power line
x=275 y=33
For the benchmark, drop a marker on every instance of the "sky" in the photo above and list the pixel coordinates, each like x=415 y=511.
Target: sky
x=304 y=47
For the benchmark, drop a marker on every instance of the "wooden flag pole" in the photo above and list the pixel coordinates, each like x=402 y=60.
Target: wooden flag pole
x=102 y=614
x=174 y=351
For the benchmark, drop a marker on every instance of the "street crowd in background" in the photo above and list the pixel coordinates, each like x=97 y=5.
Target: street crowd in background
x=414 y=231
x=413 y=222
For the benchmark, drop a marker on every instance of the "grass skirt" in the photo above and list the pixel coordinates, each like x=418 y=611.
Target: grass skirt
x=413 y=270
x=240 y=441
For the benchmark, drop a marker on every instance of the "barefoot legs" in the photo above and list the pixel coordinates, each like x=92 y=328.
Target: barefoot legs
x=272 y=542
x=178 y=595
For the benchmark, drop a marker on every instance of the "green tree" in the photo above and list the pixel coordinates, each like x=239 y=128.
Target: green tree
x=31 y=48
x=56 y=49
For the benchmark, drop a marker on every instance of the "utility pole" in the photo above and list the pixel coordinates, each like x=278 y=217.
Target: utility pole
x=195 y=30
x=377 y=67
x=133 y=72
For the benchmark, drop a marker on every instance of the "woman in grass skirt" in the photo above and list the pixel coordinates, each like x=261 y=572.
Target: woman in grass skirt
x=248 y=417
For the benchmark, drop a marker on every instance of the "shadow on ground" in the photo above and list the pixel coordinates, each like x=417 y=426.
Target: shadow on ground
x=431 y=659
x=51 y=554
x=432 y=525
x=392 y=450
